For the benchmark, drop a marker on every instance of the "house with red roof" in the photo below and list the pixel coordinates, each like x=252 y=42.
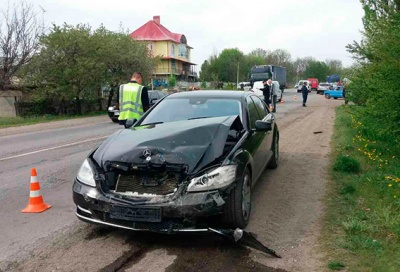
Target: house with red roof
x=173 y=49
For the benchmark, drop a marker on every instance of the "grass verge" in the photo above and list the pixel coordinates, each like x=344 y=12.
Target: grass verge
x=20 y=121
x=362 y=222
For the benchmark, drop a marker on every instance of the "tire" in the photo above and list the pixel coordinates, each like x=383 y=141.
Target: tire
x=115 y=120
x=237 y=209
x=327 y=96
x=273 y=163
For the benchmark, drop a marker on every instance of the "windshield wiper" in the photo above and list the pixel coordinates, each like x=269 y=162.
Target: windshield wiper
x=155 y=123
x=201 y=117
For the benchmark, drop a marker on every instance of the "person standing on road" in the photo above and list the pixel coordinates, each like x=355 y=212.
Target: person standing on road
x=304 y=91
x=273 y=94
x=266 y=92
x=133 y=99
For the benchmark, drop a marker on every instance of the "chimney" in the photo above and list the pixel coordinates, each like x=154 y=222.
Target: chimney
x=156 y=19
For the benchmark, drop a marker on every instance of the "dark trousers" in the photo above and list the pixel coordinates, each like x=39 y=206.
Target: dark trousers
x=274 y=103
x=266 y=100
x=305 y=95
x=122 y=122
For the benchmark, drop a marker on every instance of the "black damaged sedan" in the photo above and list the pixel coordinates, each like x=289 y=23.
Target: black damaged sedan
x=192 y=159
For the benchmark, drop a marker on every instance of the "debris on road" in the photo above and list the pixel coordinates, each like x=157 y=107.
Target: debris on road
x=244 y=238
x=317 y=132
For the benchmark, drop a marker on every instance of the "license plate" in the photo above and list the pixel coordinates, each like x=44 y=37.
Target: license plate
x=136 y=214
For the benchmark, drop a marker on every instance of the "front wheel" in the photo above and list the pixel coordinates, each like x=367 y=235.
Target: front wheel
x=237 y=209
x=327 y=96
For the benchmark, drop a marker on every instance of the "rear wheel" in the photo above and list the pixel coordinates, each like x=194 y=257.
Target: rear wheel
x=115 y=120
x=238 y=205
x=327 y=96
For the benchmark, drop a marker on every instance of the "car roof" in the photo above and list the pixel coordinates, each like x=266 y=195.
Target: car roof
x=211 y=94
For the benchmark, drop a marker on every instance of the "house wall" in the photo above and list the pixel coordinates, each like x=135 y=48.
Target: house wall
x=161 y=48
x=7 y=101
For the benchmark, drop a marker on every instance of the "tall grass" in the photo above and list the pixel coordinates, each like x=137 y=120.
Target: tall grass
x=362 y=223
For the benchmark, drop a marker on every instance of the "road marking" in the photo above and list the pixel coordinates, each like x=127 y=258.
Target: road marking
x=52 y=148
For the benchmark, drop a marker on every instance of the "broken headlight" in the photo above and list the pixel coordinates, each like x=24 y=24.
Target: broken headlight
x=214 y=179
x=85 y=174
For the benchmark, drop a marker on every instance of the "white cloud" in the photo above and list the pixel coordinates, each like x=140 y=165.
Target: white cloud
x=318 y=28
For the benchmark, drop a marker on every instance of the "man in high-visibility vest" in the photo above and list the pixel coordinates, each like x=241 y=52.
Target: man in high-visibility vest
x=133 y=99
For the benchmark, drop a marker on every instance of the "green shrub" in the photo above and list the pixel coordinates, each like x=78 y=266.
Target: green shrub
x=345 y=163
x=335 y=265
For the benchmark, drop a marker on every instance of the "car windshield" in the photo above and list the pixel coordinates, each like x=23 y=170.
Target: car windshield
x=177 y=109
x=324 y=84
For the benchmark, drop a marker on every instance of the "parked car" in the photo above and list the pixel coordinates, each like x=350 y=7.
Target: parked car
x=154 y=96
x=259 y=85
x=323 y=87
x=193 y=156
x=335 y=93
x=300 y=85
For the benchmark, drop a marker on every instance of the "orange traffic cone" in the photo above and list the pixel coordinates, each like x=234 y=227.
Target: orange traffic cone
x=36 y=204
x=295 y=97
x=270 y=108
x=281 y=101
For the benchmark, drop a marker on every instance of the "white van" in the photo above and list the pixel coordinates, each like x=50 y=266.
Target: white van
x=259 y=85
x=300 y=84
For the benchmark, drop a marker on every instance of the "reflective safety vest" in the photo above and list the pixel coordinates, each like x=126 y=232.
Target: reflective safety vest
x=130 y=101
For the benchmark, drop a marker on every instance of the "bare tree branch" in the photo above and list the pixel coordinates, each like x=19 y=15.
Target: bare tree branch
x=20 y=32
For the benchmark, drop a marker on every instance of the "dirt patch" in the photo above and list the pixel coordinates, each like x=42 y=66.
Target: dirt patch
x=287 y=203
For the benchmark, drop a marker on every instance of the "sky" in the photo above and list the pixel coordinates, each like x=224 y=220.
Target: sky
x=316 y=28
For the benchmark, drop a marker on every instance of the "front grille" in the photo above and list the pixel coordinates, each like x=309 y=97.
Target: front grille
x=149 y=183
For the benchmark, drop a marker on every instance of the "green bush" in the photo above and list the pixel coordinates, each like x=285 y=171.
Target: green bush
x=334 y=265
x=345 y=163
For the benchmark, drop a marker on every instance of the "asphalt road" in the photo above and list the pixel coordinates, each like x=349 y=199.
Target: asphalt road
x=57 y=150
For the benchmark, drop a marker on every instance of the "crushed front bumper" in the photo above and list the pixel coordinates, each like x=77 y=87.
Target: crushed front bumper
x=180 y=214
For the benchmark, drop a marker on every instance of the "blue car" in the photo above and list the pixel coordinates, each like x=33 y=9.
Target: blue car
x=335 y=93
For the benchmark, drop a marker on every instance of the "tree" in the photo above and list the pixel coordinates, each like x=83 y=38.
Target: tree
x=259 y=53
x=316 y=69
x=120 y=56
x=171 y=81
x=228 y=64
x=335 y=66
x=279 y=57
x=20 y=31
x=75 y=62
x=375 y=81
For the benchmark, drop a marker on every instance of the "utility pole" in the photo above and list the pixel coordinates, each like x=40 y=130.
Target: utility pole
x=237 y=76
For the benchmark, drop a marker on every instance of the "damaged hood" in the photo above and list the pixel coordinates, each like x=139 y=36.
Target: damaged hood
x=191 y=143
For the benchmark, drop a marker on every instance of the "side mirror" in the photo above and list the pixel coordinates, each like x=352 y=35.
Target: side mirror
x=129 y=123
x=153 y=101
x=263 y=125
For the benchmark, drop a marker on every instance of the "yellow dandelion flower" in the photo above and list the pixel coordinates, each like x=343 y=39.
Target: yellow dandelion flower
x=395 y=196
x=390 y=185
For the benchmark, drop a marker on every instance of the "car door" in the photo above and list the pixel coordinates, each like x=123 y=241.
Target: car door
x=264 y=114
x=256 y=138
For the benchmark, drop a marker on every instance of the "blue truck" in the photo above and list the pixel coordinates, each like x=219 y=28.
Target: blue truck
x=265 y=72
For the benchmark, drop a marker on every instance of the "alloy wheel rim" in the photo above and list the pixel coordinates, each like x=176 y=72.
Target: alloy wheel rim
x=246 y=197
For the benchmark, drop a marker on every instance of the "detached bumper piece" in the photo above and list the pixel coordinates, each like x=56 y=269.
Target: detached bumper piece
x=244 y=238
